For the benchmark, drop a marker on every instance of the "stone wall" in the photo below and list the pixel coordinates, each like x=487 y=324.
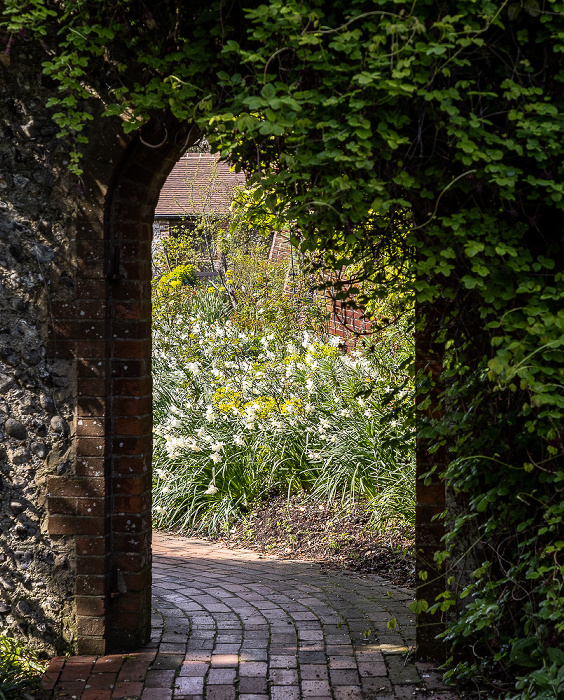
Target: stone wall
x=37 y=394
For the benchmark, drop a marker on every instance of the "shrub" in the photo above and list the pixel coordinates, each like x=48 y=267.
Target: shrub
x=20 y=669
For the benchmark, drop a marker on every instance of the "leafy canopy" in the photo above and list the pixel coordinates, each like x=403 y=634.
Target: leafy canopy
x=422 y=142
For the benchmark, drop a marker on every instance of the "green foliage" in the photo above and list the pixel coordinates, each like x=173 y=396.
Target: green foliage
x=20 y=669
x=423 y=143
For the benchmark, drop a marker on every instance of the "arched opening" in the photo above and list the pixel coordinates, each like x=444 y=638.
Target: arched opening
x=112 y=338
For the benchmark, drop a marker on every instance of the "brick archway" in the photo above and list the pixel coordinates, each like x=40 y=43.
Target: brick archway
x=105 y=503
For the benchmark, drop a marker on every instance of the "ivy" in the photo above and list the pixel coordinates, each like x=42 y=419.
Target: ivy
x=420 y=144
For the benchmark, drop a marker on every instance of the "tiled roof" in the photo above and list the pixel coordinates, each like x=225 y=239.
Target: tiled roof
x=199 y=184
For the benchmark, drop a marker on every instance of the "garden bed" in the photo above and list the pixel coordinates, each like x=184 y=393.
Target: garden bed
x=335 y=536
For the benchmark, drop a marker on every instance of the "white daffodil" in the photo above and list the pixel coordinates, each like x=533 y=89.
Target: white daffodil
x=216 y=457
x=159 y=509
x=217 y=446
x=160 y=473
x=211 y=490
x=193 y=367
x=210 y=415
x=201 y=432
x=175 y=423
x=309 y=385
x=238 y=440
x=308 y=408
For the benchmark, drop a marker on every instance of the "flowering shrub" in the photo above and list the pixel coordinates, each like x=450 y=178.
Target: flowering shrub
x=240 y=413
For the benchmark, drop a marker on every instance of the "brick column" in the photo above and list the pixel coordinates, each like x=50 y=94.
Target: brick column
x=130 y=218
x=430 y=498
x=103 y=505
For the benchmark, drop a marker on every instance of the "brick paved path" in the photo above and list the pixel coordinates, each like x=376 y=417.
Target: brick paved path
x=236 y=625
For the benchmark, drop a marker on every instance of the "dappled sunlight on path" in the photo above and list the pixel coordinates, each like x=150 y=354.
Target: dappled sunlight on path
x=233 y=624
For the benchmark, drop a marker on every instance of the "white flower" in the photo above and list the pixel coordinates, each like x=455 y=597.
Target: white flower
x=334 y=439
x=193 y=367
x=325 y=423
x=159 y=509
x=334 y=341
x=175 y=423
x=249 y=425
x=211 y=490
x=308 y=408
x=368 y=414
x=291 y=348
x=309 y=385
x=216 y=457
x=210 y=415
x=160 y=473
x=217 y=446
x=201 y=432
x=166 y=489
x=175 y=410
x=238 y=440
x=216 y=372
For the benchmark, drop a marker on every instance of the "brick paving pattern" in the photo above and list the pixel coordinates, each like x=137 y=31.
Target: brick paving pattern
x=234 y=625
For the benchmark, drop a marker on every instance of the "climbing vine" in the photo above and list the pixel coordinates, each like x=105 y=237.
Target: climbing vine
x=422 y=142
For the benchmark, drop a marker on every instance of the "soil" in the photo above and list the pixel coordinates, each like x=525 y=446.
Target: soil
x=334 y=535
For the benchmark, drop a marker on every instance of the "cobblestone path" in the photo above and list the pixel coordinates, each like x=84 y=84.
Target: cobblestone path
x=232 y=624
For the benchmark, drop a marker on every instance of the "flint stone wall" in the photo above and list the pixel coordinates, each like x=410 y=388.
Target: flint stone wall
x=75 y=371
x=37 y=393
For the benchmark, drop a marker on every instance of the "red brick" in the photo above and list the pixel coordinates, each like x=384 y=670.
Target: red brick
x=138 y=544
x=132 y=504
x=91 y=387
x=91 y=348
x=89 y=290
x=132 y=445
x=90 y=427
x=91 y=406
x=90 y=466
x=139 y=386
x=131 y=349
x=89 y=585
x=75 y=506
x=75 y=525
x=90 y=248
x=91 y=626
x=61 y=350
x=90 y=447
x=132 y=367
x=91 y=310
x=89 y=546
x=91 y=565
x=135 y=523
x=91 y=645
x=132 y=309
x=132 y=406
x=130 y=486
x=89 y=606
x=136 y=426
x=83 y=487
